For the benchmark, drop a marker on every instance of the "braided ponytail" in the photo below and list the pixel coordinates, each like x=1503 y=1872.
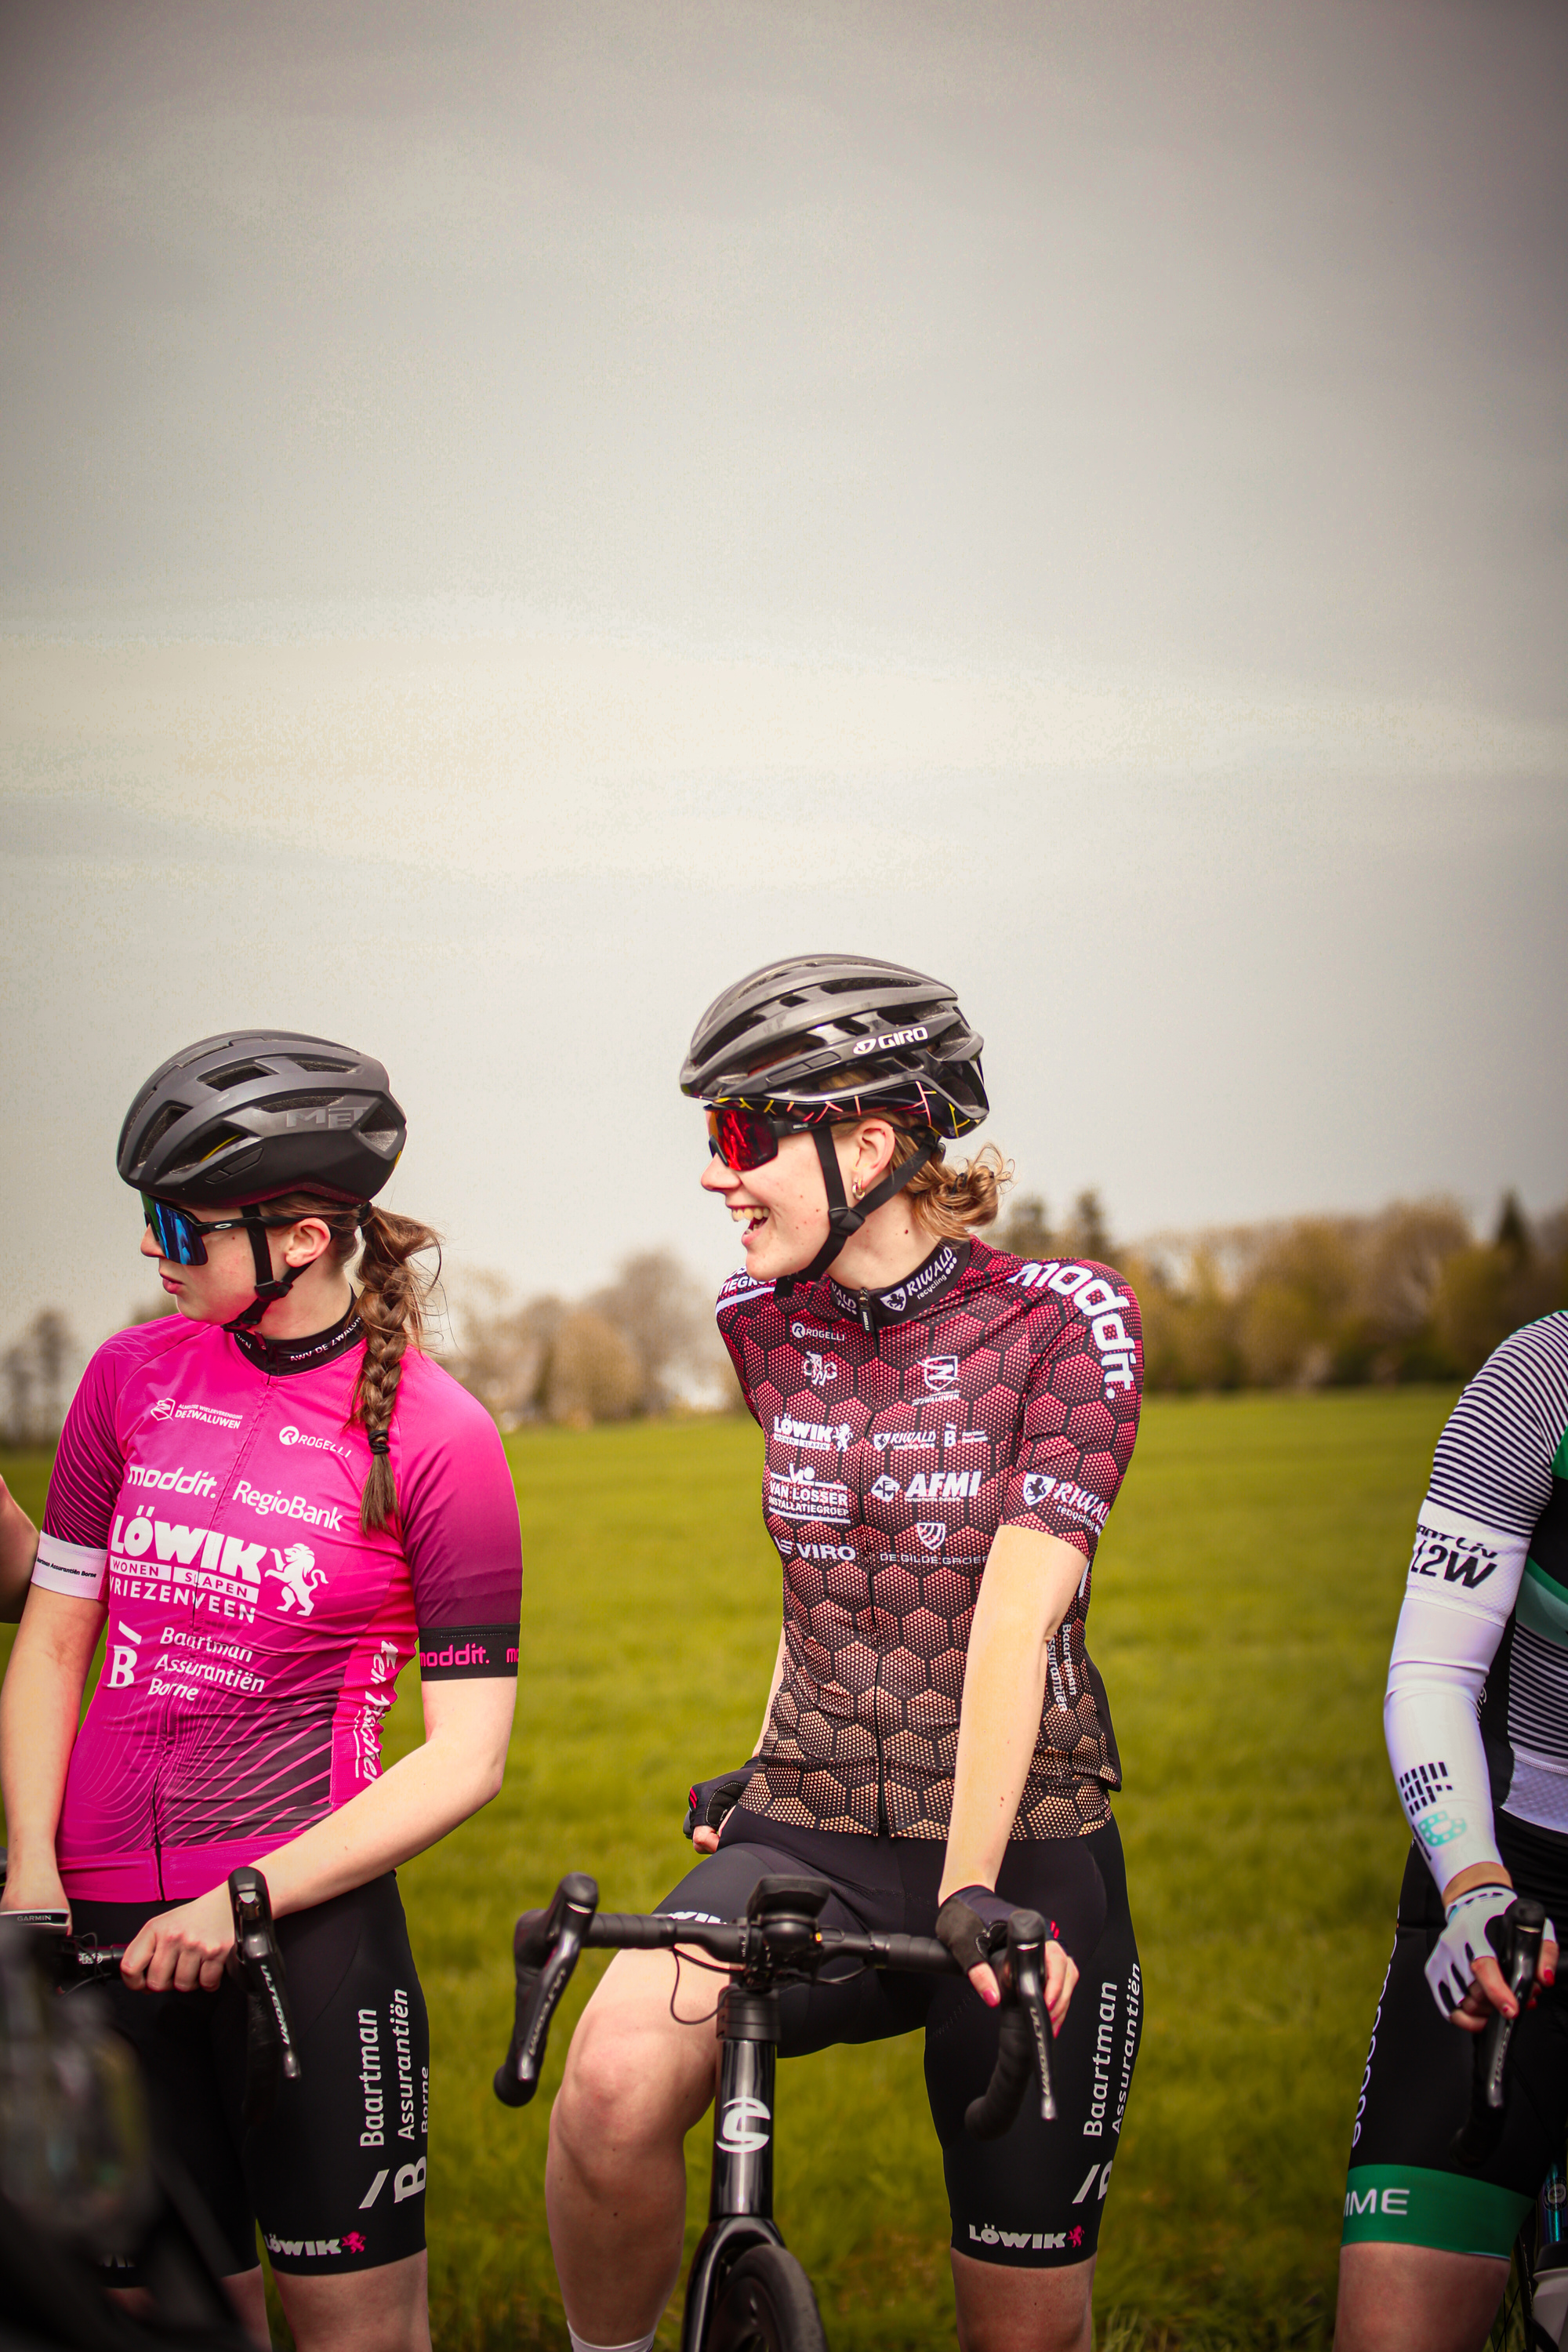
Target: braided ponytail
x=391 y=1306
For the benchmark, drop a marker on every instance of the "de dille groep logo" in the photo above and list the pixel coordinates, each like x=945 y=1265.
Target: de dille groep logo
x=932 y=1533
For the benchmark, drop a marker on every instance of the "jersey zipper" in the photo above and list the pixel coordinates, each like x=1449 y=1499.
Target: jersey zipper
x=865 y=1323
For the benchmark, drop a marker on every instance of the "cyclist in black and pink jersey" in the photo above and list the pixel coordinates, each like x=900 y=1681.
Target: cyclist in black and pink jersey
x=945 y=1429
x=264 y=1503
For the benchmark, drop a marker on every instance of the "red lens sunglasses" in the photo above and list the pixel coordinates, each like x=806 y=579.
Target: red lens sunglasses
x=745 y=1139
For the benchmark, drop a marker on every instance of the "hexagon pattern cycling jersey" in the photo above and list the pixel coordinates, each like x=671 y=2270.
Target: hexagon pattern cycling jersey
x=988 y=1392
x=206 y=1491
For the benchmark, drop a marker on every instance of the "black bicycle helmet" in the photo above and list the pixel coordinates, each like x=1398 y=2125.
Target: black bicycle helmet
x=236 y=1120
x=256 y=1112
x=814 y=1040
x=836 y=1036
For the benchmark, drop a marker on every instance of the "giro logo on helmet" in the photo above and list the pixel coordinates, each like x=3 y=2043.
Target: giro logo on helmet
x=894 y=1037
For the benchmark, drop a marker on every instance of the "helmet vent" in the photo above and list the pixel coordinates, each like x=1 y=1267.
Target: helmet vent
x=236 y=1074
x=170 y=1115
x=313 y=1062
x=314 y=1098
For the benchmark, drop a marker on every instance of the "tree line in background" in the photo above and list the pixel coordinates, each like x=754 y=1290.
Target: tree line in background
x=1411 y=1294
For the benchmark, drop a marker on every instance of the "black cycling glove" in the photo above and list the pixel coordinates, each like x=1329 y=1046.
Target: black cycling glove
x=972 y=1924
x=708 y=1801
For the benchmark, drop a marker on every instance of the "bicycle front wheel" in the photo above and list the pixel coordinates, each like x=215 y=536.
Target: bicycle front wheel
x=767 y=2306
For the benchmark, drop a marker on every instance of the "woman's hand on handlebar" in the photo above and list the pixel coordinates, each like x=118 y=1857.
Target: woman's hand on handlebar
x=183 y=1949
x=1488 y=1990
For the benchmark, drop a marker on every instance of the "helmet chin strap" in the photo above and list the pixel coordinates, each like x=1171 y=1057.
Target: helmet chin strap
x=845 y=1219
x=268 y=1286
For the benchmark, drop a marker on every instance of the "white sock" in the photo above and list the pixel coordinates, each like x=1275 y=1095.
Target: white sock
x=637 y=2344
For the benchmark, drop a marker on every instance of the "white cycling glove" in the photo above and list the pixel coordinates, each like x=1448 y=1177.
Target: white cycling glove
x=1465 y=1940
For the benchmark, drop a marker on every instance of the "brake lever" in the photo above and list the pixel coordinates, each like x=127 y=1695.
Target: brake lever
x=545 y=1945
x=1024 y=1964
x=271 y=2046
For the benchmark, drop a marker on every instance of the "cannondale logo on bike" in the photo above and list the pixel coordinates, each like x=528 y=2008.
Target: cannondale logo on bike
x=744 y=2126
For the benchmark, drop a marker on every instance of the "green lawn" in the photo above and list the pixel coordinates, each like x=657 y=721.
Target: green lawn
x=1244 y=1598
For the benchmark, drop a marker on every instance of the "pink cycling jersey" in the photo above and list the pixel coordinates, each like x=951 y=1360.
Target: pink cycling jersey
x=206 y=1493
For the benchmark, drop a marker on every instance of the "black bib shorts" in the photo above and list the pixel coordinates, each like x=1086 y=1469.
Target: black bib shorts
x=335 y=2177
x=1403 y=2186
x=1031 y=2200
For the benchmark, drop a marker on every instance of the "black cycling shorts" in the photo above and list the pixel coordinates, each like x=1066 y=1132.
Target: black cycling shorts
x=336 y=2175
x=1403 y=2186
x=1032 y=2199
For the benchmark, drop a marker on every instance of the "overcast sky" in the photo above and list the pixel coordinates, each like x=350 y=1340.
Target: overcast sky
x=512 y=516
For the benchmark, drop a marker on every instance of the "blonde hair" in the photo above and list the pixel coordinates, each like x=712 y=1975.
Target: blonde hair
x=947 y=1202
x=390 y=1304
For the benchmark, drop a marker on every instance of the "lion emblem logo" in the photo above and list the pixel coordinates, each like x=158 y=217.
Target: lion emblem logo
x=300 y=1577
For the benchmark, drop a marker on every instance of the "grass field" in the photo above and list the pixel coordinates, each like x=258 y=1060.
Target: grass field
x=1244 y=1598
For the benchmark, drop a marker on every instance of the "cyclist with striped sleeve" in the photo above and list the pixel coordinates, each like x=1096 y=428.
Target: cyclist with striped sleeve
x=1477 y=1724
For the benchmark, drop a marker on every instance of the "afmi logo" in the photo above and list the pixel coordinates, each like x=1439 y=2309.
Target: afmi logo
x=935 y=1486
x=884 y=1043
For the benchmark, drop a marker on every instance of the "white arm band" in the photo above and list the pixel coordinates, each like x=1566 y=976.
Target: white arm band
x=77 y=1569
x=1464 y=1581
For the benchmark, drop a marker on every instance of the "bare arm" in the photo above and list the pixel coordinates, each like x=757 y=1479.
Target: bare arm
x=18 y=1549
x=40 y=1705
x=458 y=1769
x=1025 y=1593
x=706 y=1841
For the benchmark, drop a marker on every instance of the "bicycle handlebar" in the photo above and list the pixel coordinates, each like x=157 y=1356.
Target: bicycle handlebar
x=1523 y=1923
x=545 y=1946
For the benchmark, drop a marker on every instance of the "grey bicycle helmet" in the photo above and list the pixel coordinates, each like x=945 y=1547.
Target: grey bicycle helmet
x=814 y=1040
x=256 y=1112
x=836 y=1036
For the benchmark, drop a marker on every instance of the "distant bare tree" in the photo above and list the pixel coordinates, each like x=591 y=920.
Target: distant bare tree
x=595 y=1374
x=663 y=1316
x=21 y=1379
x=1026 y=1230
x=499 y=1348
x=37 y=1371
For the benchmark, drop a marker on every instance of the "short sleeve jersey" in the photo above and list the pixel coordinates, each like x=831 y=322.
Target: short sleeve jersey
x=990 y=1391
x=206 y=1491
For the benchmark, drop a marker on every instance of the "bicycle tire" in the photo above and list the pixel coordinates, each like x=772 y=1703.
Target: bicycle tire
x=766 y=2306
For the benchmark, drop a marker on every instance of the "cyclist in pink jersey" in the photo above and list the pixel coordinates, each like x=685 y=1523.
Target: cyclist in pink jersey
x=945 y=1430
x=264 y=1503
